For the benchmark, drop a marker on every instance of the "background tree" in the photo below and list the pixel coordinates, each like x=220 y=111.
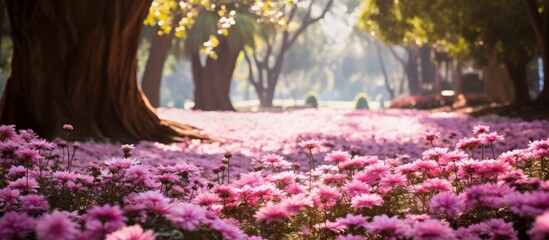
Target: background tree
x=75 y=62
x=538 y=13
x=266 y=64
x=461 y=28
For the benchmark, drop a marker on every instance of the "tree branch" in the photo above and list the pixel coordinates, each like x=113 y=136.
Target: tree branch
x=535 y=19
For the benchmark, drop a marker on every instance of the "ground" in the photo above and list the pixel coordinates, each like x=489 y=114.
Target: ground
x=384 y=133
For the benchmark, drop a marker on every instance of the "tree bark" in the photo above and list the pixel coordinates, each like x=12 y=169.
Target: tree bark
x=517 y=72
x=75 y=62
x=213 y=80
x=152 y=77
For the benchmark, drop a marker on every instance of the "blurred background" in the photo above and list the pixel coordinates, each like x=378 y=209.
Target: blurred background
x=279 y=55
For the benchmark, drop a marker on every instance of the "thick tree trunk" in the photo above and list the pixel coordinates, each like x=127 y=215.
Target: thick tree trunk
x=152 y=77
x=517 y=72
x=498 y=86
x=75 y=62
x=412 y=72
x=213 y=80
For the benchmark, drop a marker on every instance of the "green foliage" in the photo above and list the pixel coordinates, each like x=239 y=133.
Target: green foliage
x=311 y=99
x=471 y=29
x=361 y=101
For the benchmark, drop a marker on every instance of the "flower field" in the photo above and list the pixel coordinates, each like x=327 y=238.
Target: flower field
x=392 y=174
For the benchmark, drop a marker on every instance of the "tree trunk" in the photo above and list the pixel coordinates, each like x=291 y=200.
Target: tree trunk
x=540 y=25
x=384 y=71
x=498 y=86
x=517 y=72
x=213 y=80
x=75 y=62
x=411 y=71
x=456 y=76
x=152 y=77
x=428 y=68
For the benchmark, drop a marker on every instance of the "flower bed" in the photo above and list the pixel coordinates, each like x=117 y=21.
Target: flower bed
x=462 y=186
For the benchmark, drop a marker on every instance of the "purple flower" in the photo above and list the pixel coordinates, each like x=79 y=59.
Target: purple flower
x=540 y=230
x=352 y=221
x=389 y=227
x=15 y=225
x=448 y=204
x=7 y=132
x=24 y=185
x=227 y=230
x=34 y=204
x=101 y=220
x=8 y=198
x=134 y=232
x=431 y=230
x=56 y=225
x=349 y=237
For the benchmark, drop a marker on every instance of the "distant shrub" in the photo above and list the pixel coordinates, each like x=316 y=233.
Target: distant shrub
x=311 y=99
x=361 y=101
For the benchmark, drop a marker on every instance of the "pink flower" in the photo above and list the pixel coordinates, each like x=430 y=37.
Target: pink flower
x=295 y=203
x=8 y=198
x=349 y=237
x=24 y=185
x=479 y=129
x=540 y=230
x=34 y=204
x=539 y=148
x=436 y=185
x=274 y=161
x=153 y=201
x=15 y=225
x=310 y=144
x=101 y=220
x=352 y=221
x=431 y=230
x=468 y=143
x=206 y=199
x=68 y=127
x=272 y=213
x=227 y=230
x=337 y=157
x=355 y=188
x=388 y=227
x=187 y=216
x=325 y=195
x=393 y=180
x=431 y=135
x=366 y=200
x=435 y=153
x=491 y=137
x=134 y=232
x=27 y=154
x=448 y=204
x=7 y=132
x=56 y=225
x=527 y=204
x=489 y=195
